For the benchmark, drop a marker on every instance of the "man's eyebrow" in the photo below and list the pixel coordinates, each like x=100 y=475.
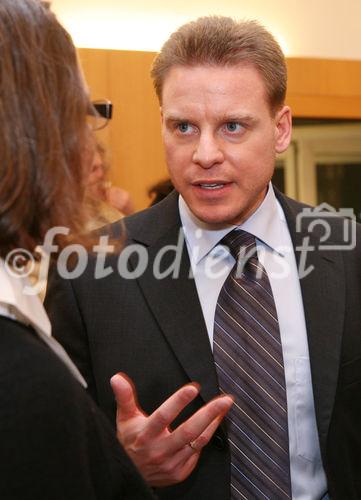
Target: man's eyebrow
x=231 y=117
x=175 y=118
x=238 y=117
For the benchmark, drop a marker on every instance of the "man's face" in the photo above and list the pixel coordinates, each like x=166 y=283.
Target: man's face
x=221 y=139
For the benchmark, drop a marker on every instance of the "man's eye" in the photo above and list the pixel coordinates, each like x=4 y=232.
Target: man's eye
x=233 y=127
x=184 y=127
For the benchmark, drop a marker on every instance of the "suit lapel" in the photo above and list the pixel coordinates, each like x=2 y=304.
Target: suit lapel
x=323 y=294
x=174 y=301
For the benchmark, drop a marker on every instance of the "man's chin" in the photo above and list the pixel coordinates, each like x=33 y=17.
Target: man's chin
x=216 y=219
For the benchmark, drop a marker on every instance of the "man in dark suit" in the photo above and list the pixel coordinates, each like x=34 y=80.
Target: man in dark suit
x=221 y=86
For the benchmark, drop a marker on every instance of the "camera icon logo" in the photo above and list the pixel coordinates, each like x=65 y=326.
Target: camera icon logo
x=321 y=216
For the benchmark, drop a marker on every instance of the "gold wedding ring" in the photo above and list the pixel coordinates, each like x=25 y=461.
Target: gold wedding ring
x=192 y=445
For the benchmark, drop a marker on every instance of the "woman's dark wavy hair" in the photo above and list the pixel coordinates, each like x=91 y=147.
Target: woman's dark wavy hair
x=43 y=137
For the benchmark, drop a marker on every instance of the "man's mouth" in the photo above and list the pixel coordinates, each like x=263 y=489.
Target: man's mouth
x=210 y=185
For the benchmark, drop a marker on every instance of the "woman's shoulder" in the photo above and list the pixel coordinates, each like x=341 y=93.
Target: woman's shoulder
x=25 y=360
x=34 y=381
x=49 y=427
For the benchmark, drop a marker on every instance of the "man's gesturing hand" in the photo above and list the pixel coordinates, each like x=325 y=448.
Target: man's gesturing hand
x=165 y=457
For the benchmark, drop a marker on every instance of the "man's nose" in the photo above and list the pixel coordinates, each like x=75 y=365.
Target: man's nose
x=208 y=151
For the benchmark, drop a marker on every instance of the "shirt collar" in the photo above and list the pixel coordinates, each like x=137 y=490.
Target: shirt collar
x=265 y=224
x=26 y=308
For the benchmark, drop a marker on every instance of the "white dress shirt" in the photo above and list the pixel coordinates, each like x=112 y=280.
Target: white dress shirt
x=211 y=264
x=28 y=309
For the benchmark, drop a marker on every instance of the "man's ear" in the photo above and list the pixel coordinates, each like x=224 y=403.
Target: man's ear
x=161 y=115
x=283 y=122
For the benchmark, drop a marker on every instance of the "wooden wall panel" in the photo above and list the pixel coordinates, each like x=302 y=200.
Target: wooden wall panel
x=317 y=88
x=324 y=88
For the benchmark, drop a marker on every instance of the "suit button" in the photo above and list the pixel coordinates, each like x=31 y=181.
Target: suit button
x=218 y=442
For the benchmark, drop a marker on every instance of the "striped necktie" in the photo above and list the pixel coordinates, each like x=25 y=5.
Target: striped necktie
x=248 y=356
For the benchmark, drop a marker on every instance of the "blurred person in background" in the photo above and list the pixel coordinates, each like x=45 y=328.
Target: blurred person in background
x=107 y=203
x=112 y=198
x=160 y=190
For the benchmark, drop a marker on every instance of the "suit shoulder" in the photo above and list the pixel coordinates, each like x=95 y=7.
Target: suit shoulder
x=147 y=225
x=322 y=220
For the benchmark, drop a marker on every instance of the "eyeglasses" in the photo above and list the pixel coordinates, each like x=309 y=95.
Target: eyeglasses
x=99 y=113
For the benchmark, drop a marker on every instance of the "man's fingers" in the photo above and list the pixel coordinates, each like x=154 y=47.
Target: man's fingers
x=126 y=397
x=200 y=442
x=202 y=424
x=195 y=447
x=163 y=416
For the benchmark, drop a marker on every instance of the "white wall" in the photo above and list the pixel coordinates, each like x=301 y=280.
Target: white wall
x=310 y=28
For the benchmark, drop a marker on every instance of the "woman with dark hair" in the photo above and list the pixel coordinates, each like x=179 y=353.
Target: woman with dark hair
x=54 y=442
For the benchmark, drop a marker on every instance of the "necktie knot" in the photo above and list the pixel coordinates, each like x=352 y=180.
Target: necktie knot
x=242 y=246
x=239 y=240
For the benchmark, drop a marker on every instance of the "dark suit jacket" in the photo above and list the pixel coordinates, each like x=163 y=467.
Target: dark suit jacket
x=154 y=331
x=55 y=444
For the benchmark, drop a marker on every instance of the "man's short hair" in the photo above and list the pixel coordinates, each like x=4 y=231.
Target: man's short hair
x=222 y=41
